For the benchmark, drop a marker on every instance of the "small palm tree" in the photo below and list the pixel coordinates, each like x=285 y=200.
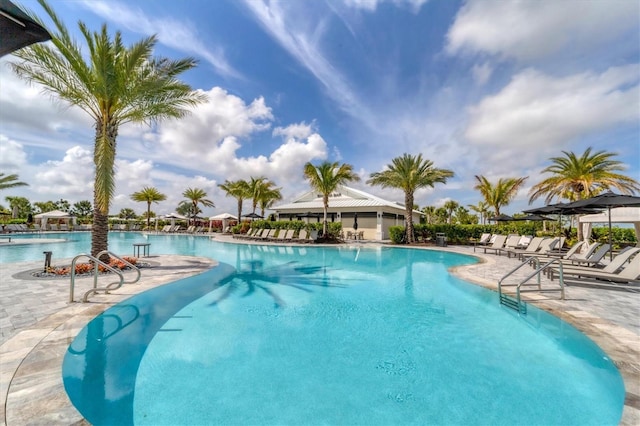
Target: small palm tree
x=194 y=197
x=325 y=179
x=148 y=195
x=239 y=189
x=410 y=173
x=114 y=85
x=500 y=194
x=10 y=181
x=576 y=177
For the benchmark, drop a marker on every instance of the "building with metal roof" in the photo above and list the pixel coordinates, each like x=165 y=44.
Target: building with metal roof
x=372 y=214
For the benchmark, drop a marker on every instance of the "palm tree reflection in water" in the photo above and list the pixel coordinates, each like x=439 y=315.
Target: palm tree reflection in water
x=253 y=276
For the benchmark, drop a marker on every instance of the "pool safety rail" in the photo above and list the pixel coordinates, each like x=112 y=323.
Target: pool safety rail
x=96 y=272
x=516 y=303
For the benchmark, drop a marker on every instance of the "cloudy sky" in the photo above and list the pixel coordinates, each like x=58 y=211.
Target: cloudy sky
x=491 y=88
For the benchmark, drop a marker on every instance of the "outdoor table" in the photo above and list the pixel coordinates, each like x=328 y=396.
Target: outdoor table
x=145 y=249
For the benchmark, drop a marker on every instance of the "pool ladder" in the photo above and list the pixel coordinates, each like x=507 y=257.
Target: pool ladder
x=97 y=263
x=516 y=303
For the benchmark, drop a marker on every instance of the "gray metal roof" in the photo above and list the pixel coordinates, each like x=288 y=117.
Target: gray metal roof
x=346 y=198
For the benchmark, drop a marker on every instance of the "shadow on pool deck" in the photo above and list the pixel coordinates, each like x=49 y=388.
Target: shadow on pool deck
x=37 y=325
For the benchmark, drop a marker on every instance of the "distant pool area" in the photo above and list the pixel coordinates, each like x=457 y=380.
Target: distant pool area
x=374 y=308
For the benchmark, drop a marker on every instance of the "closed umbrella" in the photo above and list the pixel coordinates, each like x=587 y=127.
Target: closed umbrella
x=355 y=221
x=17 y=30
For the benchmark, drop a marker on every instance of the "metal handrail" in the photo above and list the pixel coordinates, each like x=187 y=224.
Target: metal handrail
x=524 y=262
x=97 y=263
x=129 y=264
x=536 y=272
x=542 y=268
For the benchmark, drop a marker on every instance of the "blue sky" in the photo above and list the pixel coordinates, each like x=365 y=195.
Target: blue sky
x=491 y=88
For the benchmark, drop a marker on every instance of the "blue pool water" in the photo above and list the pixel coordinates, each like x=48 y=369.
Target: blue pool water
x=337 y=335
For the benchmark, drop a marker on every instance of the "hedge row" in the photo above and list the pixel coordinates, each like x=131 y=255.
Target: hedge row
x=464 y=234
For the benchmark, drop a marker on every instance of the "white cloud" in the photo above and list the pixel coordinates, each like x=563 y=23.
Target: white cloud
x=532 y=29
x=296 y=131
x=372 y=5
x=71 y=177
x=12 y=155
x=538 y=113
x=300 y=33
x=180 y=35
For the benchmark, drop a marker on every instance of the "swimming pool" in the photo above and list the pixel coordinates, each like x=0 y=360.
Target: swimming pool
x=308 y=335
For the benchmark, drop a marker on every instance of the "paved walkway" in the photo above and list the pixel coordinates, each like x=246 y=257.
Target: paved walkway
x=37 y=324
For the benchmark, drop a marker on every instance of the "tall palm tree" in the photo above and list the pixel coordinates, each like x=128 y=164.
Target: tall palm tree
x=500 y=194
x=325 y=178
x=114 y=85
x=239 y=189
x=450 y=206
x=482 y=208
x=10 y=181
x=268 y=197
x=148 y=195
x=409 y=173
x=429 y=214
x=194 y=197
x=576 y=177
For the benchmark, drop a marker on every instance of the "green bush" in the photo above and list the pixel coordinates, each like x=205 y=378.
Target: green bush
x=397 y=234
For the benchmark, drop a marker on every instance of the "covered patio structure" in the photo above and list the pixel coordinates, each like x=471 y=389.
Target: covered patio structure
x=374 y=215
x=55 y=217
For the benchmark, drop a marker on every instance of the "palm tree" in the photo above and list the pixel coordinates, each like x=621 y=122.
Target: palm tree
x=325 y=178
x=114 y=85
x=450 y=206
x=10 y=181
x=268 y=197
x=482 y=208
x=194 y=197
x=148 y=195
x=429 y=214
x=409 y=173
x=575 y=178
x=500 y=194
x=239 y=189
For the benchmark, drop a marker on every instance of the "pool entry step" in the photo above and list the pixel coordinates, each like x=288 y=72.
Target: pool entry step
x=513 y=303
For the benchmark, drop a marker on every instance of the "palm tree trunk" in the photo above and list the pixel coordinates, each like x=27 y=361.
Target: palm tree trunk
x=408 y=203
x=104 y=185
x=148 y=215
x=325 y=225
x=99 y=233
x=239 y=211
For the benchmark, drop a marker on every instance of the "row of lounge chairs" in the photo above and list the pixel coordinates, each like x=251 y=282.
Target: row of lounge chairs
x=281 y=235
x=21 y=227
x=582 y=264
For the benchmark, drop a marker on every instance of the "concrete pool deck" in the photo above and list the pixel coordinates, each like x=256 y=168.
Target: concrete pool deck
x=37 y=324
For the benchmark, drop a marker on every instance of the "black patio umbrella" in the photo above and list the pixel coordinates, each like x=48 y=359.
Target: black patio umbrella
x=355 y=221
x=252 y=216
x=606 y=201
x=17 y=30
x=534 y=217
x=502 y=218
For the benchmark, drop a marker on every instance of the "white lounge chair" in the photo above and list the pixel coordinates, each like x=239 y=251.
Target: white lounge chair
x=498 y=243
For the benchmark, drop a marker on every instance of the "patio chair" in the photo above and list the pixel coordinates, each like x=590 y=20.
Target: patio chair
x=531 y=248
x=498 y=243
x=594 y=258
x=618 y=262
x=628 y=277
x=510 y=244
x=303 y=237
